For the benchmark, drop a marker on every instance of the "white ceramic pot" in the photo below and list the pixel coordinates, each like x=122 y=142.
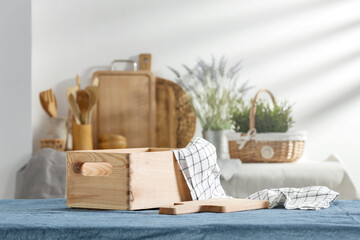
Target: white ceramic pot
x=57 y=129
x=219 y=140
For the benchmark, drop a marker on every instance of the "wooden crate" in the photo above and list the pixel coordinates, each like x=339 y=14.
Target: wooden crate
x=124 y=179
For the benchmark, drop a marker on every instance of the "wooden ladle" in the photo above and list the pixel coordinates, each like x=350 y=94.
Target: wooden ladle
x=83 y=100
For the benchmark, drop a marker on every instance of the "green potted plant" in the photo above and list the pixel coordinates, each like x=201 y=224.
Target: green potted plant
x=262 y=132
x=215 y=92
x=268 y=118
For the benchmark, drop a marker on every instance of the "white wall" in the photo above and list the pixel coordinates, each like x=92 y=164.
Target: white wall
x=15 y=91
x=307 y=51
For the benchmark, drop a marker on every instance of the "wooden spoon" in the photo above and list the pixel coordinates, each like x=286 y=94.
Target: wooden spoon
x=72 y=90
x=94 y=96
x=74 y=108
x=83 y=100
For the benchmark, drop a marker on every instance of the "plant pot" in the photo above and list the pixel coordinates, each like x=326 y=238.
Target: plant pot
x=56 y=129
x=219 y=140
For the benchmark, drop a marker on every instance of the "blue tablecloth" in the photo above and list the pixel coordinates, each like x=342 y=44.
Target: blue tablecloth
x=51 y=219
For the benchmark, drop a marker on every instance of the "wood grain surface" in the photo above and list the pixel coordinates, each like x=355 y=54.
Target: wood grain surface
x=145 y=61
x=156 y=180
x=220 y=205
x=141 y=178
x=175 y=118
x=96 y=169
x=126 y=106
x=166 y=115
x=109 y=192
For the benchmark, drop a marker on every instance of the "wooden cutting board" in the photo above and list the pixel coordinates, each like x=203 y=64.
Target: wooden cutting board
x=223 y=205
x=126 y=107
x=175 y=118
x=166 y=115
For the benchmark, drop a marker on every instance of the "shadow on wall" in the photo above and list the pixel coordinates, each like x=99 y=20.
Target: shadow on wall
x=304 y=77
x=333 y=103
x=227 y=26
x=266 y=55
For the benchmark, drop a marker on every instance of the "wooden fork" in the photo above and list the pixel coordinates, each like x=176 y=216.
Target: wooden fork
x=48 y=102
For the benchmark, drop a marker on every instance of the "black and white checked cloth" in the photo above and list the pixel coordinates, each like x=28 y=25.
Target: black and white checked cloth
x=198 y=164
x=307 y=198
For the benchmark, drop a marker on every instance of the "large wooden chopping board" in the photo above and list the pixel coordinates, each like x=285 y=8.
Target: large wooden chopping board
x=126 y=107
x=175 y=118
x=221 y=205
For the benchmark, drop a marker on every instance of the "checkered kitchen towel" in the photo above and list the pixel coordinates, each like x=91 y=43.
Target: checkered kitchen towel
x=307 y=198
x=198 y=165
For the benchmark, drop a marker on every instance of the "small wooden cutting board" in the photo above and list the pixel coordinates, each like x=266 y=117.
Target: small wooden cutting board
x=219 y=205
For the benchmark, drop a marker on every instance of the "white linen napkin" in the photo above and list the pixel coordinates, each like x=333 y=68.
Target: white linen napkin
x=202 y=174
x=307 y=198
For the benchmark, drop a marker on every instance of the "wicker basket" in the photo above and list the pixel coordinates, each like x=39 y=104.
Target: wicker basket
x=252 y=147
x=56 y=144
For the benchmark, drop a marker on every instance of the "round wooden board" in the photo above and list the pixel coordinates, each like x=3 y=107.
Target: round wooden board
x=175 y=117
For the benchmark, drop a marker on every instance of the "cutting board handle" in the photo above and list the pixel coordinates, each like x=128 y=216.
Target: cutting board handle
x=113 y=63
x=94 y=169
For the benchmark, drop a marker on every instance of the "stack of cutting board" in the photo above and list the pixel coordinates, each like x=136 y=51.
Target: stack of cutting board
x=147 y=110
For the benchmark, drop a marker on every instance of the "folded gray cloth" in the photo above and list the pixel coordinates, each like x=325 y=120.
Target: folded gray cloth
x=202 y=174
x=44 y=176
x=307 y=198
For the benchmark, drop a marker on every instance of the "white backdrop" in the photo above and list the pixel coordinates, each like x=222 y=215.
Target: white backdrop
x=307 y=51
x=15 y=91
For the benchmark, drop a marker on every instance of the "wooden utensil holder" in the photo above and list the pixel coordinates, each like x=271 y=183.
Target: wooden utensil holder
x=82 y=136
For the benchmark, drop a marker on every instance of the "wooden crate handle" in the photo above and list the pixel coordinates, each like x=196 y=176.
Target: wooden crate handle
x=96 y=169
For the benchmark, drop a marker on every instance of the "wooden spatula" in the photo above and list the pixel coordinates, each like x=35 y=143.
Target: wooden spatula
x=48 y=102
x=83 y=100
x=94 y=96
x=220 y=205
